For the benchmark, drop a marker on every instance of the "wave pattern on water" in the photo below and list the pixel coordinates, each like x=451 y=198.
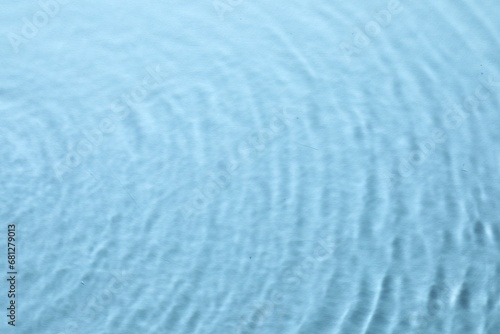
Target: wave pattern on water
x=290 y=168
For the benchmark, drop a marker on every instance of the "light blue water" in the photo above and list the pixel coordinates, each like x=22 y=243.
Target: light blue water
x=251 y=166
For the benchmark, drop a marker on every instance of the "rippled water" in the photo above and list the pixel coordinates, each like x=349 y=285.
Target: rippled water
x=252 y=167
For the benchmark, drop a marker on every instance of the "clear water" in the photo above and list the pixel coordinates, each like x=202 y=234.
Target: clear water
x=251 y=166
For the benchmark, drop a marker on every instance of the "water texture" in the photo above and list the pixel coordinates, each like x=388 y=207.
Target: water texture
x=248 y=166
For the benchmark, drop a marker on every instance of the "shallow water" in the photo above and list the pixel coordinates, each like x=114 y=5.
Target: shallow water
x=252 y=167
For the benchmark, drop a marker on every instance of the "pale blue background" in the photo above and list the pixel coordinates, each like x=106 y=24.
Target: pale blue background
x=416 y=248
